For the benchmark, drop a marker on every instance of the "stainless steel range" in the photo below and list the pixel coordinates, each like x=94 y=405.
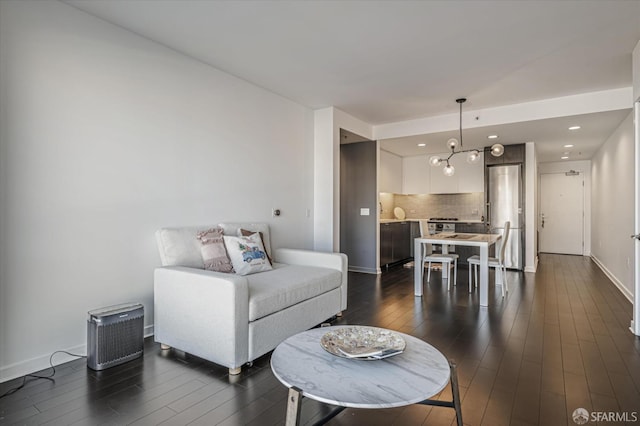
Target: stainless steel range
x=437 y=225
x=441 y=224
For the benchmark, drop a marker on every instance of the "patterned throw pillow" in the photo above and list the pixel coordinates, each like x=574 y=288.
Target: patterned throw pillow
x=247 y=254
x=214 y=253
x=245 y=233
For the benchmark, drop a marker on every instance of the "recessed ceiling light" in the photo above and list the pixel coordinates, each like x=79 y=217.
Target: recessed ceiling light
x=564 y=158
x=568 y=146
x=574 y=127
x=492 y=137
x=422 y=144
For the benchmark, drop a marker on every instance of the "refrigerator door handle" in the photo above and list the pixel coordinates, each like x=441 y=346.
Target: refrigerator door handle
x=488 y=225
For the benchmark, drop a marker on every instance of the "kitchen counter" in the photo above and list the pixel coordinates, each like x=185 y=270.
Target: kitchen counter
x=440 y=221
x=397 y=236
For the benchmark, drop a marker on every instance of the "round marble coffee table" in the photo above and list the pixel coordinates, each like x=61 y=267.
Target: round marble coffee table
x=308 y=370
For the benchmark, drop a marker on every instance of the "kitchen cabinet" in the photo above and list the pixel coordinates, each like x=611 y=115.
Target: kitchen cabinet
x=470 y=176
x=467 y=177
x=466 y=252
x=416 y=175
x=395 y=242
x=386 y=244
x=391 y=174
x=419 y=177
x=513 y=154
x=415 y=233
x=441 y=184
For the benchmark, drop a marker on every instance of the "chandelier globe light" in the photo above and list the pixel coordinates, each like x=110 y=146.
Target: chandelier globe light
x=473 y=155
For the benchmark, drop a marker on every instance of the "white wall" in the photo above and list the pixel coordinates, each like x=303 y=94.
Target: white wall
x=105 y=137
x=326 y=178
x=531 y=209
x=636 y=72
x=584 y=167
x=612 y=219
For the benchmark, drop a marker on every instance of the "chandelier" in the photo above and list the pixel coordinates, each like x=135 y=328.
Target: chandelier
x=473 y=155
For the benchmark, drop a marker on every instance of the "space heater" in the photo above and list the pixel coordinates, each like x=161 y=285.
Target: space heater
x=115 y=335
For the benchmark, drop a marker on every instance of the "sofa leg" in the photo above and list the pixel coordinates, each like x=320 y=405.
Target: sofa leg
x=235 y=371
x=164 y=347
x=339 y=314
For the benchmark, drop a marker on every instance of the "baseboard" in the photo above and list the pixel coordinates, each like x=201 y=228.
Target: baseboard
x=32 y=365
x=626 y=293
x=533 y=268
x=363 y=270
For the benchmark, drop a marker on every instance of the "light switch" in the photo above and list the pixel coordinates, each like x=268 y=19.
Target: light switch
x=364 y=212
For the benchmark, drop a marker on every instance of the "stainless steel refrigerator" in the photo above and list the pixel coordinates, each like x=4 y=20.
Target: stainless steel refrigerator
x=504 y=203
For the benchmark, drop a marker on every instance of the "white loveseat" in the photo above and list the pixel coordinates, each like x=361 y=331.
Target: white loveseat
x=231 y=319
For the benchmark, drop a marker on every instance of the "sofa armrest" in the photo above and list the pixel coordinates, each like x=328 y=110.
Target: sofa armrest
x=202 y=312
x=337 y=261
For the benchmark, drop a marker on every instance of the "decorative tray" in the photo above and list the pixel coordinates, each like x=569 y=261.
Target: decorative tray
x=365 y=343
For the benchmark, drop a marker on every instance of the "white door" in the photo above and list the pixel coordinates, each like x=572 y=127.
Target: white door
x=561 y=222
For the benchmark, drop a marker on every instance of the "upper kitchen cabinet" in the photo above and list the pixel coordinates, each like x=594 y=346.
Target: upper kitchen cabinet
x=416 y=177
x=513 y=154
x=441 y=184
x=470 y=176
x=467 y=177
x=391 y=171
x=419 y=177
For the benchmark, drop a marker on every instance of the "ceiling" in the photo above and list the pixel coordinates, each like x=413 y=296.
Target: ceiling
x=389 y=61
x=550 y=135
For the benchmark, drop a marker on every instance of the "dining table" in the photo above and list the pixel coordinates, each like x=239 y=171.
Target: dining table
x=446 y=239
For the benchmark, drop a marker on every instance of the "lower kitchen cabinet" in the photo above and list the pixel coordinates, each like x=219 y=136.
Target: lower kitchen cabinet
x=395 y=242
x=466 y=252
x=386 y=244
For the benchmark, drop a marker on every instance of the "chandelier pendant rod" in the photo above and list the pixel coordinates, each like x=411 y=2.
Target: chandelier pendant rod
x=460 y=101
x=496 y=149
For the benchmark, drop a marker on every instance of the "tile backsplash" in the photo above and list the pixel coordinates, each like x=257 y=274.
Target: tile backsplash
x=468 y=206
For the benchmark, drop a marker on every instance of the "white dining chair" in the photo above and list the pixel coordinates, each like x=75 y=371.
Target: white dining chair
x=496 y=263
x=446 y=260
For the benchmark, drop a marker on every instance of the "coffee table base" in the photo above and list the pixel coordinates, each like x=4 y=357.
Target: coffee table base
x=294 y=403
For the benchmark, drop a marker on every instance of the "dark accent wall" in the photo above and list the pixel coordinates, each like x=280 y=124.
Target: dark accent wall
x=358 y=180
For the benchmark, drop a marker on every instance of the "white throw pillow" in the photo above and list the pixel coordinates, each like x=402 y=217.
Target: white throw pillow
x=247 y=254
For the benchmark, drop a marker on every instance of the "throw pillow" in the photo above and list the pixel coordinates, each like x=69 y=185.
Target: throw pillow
x=245 y=233
x=247 y=254
x=214 y=253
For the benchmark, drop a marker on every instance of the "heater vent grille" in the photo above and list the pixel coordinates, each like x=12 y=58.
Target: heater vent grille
x=114 y=335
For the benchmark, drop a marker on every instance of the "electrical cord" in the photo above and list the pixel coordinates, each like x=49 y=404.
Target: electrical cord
x=37 y=377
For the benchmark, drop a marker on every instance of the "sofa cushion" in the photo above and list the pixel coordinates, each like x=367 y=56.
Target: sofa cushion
x=247 y=254
x=233 y=228
x=247 y=233
x=180 y=246
x=287 y=285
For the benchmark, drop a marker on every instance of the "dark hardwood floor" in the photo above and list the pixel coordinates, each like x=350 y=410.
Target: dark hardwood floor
x=557 y=342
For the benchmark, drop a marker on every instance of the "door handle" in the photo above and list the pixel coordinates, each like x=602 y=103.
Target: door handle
x=636 y=236
x=542 y=224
